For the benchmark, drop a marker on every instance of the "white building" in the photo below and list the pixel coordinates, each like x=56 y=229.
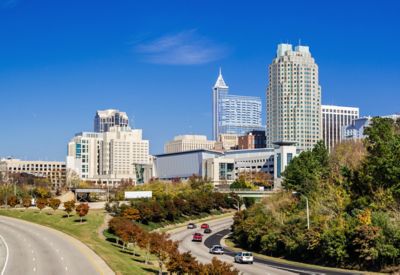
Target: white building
x=188 y=143
x=55 y=171
x=108 y=157
x=105 y=119
x=293 y=98
x=228 y=141
x=334 y=118
x=223 y=167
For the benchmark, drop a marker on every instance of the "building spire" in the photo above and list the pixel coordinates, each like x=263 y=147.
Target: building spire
x=220 y=83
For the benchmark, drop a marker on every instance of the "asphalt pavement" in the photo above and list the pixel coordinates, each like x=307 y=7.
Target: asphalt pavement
x=27 y=248
x=221 y=228
x=200 y=251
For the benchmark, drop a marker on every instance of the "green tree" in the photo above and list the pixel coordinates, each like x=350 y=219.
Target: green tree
x=304 y=172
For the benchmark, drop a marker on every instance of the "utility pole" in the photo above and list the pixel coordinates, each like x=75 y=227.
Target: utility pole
x=307 y=208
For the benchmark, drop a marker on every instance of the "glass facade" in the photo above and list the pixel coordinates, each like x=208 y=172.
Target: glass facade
x=234 y=114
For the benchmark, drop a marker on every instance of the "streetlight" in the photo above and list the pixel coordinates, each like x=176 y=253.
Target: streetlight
x=307 y=208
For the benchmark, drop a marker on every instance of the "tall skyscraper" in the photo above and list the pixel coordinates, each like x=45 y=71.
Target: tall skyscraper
x=104 y=119
x=334 y=118
x=293 y=98
x=234 y=114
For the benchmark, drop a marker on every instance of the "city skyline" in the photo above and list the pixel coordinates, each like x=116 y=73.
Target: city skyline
x=52 y=89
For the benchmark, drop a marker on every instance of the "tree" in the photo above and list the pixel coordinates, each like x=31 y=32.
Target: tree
x=82 y=210
x=219 y=267
x=26 y=202
x=182 y=263
x=304 y=172
x=54 y=204
x=42 y=192
x=131 y=214
x=161 y=247
x=41 y=203
x=69 y=206
x=12 y=201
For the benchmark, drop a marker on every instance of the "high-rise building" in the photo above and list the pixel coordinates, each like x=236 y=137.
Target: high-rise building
x=104 y=119
x=333 y=120
x=234 y=114
x=188 y=143
x=293 y=98
x=108 y=157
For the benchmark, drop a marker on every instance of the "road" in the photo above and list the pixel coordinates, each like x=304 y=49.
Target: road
x=221 y=228
x=200 y=251
x=27 y=248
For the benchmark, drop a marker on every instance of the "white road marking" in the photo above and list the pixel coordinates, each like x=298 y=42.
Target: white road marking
x=7 y=252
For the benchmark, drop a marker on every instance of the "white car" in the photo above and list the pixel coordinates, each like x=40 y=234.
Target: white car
x=216 y=249
x=244 y=257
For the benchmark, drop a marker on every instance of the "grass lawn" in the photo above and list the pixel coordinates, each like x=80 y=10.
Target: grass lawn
x=122 y=262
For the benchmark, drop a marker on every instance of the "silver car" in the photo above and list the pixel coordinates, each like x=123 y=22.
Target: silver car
x=244 y=257
x=216 y=249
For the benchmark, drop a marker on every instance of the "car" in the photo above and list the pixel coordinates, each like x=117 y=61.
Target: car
x=197 y=237
x=244 y=257
x=191 y=226
x=207 y=231
x=204 y=226
x=216 y=249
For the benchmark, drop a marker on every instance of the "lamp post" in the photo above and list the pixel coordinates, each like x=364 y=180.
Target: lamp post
x=307 y=208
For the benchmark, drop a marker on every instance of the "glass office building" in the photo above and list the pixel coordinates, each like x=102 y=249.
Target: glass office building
x=234 y=114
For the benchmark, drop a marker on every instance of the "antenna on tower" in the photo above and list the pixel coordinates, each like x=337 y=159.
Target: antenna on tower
x=220 y=70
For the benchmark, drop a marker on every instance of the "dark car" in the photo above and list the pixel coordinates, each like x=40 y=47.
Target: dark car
x=191 y=226
x=204 y=226
x=197 y=237
x=207 y=230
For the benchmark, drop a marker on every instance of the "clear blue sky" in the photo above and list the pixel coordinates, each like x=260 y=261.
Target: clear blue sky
x=60 y=61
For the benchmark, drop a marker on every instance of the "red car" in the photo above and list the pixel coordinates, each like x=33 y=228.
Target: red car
x=197 y=237
x=204 y=226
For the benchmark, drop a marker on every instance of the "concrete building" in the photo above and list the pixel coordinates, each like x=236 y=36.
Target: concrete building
x=221 y=167
x=334 y=118
x=284 y=152
x=233 y=114
x=294 y=98
x=105 y=119
x=55 y=171
x=252 y=140
x=188 y=143
x=109 y=157
x=228 y=141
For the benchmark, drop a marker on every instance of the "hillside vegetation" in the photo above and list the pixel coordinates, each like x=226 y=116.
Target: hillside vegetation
x=354 y=200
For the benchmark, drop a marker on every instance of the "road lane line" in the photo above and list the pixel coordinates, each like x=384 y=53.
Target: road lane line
x=7 y=254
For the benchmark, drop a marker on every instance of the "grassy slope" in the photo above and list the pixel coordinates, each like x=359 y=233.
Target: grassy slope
x=121 y=263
